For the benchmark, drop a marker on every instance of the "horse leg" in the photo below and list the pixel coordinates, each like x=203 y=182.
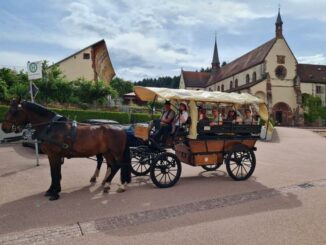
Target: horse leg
x=99 y=159
x=113 y=170
x=110 y=172
x=55 y=188
x=107 y=174
x=51 y=188
x=125 y=173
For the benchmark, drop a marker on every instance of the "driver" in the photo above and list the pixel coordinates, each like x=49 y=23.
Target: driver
x=165 y=126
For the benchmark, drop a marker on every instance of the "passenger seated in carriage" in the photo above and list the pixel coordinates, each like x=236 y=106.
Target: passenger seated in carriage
x=248 y=119
x=217 y=117
x=164 y=124
x=181 y=119
x=202 y=115
x=233 y=118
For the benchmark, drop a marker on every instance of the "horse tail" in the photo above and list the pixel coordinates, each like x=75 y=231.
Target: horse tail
x=126 y=163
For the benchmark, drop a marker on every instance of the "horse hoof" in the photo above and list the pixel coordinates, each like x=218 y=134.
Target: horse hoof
x=93 y=180
x=54 y=197
x=106 y=189
x=120 y=190
x=48 y=193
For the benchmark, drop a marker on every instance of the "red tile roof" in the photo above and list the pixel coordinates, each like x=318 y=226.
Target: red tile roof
x=246 y=61
x=312 y=73
x=195 y=79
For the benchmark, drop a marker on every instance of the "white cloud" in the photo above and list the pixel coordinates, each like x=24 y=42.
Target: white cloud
x=146 y=38
x=317 y=59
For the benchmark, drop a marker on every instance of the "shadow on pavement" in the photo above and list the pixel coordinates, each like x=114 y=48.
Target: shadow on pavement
x=90 y=204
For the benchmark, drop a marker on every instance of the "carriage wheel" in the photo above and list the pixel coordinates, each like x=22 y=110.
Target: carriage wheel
x=165 y=170
x=139 y=163
x=212 y=167
x=240 y=164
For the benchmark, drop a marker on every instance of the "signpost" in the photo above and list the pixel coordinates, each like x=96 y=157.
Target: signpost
x=34 y=71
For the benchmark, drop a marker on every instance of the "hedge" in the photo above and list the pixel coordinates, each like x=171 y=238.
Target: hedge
x=81 y=115
x=142 y=117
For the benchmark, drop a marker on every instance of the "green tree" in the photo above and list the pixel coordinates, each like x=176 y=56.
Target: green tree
x=121 y=86
x=19 y=89
x=313 y=108
x=3 y=91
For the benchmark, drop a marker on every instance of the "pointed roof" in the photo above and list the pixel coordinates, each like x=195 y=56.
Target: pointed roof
x=215 y=55
x=279 y=19
x=246 y=61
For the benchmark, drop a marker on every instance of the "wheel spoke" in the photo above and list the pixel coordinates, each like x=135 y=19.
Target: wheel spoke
x=232 y=170
x=138 y=166
x=237 y=171
x=161 y=178
x=248 y=165
x=245 y=170
x=169 y=177
x=172 y=174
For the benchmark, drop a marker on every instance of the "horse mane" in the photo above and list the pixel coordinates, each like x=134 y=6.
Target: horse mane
x=39 y=109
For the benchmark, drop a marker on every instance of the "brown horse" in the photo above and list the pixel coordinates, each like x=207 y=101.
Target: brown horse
x=61 y=138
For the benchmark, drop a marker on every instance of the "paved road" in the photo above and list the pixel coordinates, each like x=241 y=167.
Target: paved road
x=282 y=203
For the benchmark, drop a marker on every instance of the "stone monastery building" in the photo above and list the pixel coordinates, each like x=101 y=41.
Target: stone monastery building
x=270 y=72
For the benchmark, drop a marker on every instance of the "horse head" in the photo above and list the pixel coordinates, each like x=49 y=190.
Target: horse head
x=16 y=118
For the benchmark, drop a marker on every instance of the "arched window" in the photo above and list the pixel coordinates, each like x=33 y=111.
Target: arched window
x=254 y=77
x=222 y=87
x=236 y=83
x=218 y=88
x=247 y=78
x=231 y=85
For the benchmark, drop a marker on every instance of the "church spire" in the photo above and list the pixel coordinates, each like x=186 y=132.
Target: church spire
x=279 y=25
x=215 y=61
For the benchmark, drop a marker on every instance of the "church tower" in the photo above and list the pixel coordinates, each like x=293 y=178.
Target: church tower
x=279 y=25
x=215 y=61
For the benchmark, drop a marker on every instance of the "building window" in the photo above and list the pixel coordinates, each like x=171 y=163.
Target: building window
x=254 y=77
x=318 y=89
x=280 y=72
x=280 y=59
x=231 y=85
x=236 y=83
x=247 y=78
x=86 y=56
x=218 y=88
x=210 y=89
x=222 y=87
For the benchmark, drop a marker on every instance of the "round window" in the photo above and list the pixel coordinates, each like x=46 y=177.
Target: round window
x=280 y=72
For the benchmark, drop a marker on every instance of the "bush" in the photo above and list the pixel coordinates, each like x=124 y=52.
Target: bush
x=3 y=110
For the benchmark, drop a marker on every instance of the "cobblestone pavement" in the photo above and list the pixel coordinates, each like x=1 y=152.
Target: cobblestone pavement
x=57 y=233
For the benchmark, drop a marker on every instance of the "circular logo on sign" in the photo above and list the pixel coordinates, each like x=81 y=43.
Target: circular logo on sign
x=33 y=67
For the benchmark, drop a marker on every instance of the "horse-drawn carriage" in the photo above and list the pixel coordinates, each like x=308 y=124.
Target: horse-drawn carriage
x=199 y=144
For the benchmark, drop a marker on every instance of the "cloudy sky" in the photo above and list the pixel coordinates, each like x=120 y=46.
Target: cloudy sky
x=148 y=38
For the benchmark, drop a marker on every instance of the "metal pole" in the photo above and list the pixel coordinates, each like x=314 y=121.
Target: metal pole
x=36 y=145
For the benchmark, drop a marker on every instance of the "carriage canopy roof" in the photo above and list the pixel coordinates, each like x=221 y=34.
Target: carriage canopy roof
x=151 y=93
